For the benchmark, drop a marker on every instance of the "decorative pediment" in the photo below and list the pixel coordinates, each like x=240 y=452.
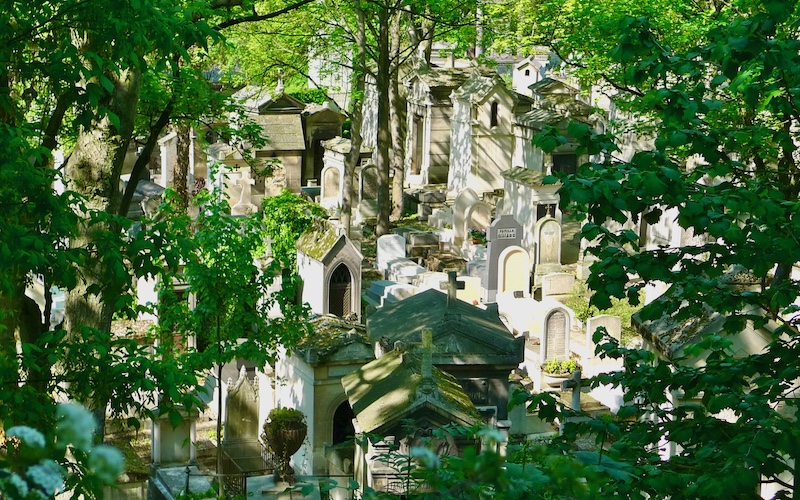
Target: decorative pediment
x=281 y=104
x=351 y=352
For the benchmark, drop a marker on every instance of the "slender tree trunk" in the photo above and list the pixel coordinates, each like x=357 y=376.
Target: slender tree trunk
x=181 y=171
x=356 y=118
x=93 y=170
x=396 y=108
x=382 y=79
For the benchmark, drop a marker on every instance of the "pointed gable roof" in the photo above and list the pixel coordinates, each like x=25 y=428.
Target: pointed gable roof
x=391 y=388
x=322 y=243
x=281 y=103
x=462 y=333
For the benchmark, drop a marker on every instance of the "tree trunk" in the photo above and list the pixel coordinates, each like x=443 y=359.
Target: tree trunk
x=93 y=170
x=396 y=108
x=356 y=118
x=181 y=171
x=382 y=79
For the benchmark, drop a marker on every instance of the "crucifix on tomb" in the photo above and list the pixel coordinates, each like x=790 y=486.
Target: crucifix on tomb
x=245 y=181
x=452 y=286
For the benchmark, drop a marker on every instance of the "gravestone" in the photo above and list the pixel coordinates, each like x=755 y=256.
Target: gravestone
x=368 y=183
x=557 y=284
x=555 y=336
x=368 y=193
x=241 y=420
x=547 y=240
x=612 y=324
x=463 y=201
x=514 y=272
x=503 y=234
x=390 y=247
x=478 y=216
x=330 y=186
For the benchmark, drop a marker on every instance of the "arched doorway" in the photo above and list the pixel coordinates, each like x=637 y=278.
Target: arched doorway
x=340 y=292
x=343 y=429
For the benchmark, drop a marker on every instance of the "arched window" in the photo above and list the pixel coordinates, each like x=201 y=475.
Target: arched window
x=493 y=121
x=527 y=72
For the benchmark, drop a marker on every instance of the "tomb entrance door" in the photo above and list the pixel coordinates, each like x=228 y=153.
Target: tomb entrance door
x=340 y=292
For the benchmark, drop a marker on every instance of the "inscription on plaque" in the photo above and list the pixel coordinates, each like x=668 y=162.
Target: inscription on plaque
x=477 y=389
x=556 y=333
x=507 y=233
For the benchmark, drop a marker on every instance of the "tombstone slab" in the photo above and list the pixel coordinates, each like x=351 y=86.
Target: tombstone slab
x=555 y=335
x=547 y=241
x=557 y=284
x=502 y=234
x=612 y=324
x=389 y=247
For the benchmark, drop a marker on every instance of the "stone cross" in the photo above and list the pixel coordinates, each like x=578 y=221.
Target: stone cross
x=245 y=181
x=452 y=286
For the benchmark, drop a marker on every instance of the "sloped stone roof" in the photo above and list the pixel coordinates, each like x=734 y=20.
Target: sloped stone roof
x=442 y=77
x=548 y=86
x=526 y=176
x=670 y=335
x=318 y=241
x=331 y=334
x=477 y=87
x=391 y=388
x=463 y=334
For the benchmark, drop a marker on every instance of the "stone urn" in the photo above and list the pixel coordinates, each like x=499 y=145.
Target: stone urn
x=284 y=433
x=556 y=371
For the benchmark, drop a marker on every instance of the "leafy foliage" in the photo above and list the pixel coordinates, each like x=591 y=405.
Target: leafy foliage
x=286 y=217
x=723 y=117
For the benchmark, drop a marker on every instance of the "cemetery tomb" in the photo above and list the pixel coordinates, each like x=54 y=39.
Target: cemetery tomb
x=242 y=426
x=524 y=193
x=245 y=184
x=429 y=111
x=280 y=117
x=549 y=242
x=310 y=380
x=481 y=131
x=469 y=342
x=330 y=266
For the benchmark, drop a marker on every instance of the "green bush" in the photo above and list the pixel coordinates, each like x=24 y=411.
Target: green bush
x=560 y=367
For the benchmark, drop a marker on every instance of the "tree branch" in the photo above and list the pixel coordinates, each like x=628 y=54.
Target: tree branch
x=144 y=157
x=259 y=17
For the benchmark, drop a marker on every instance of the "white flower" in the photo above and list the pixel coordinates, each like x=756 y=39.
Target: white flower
x=27 y=435
x=47 y=475
x=75 y=425
x=107 y=463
